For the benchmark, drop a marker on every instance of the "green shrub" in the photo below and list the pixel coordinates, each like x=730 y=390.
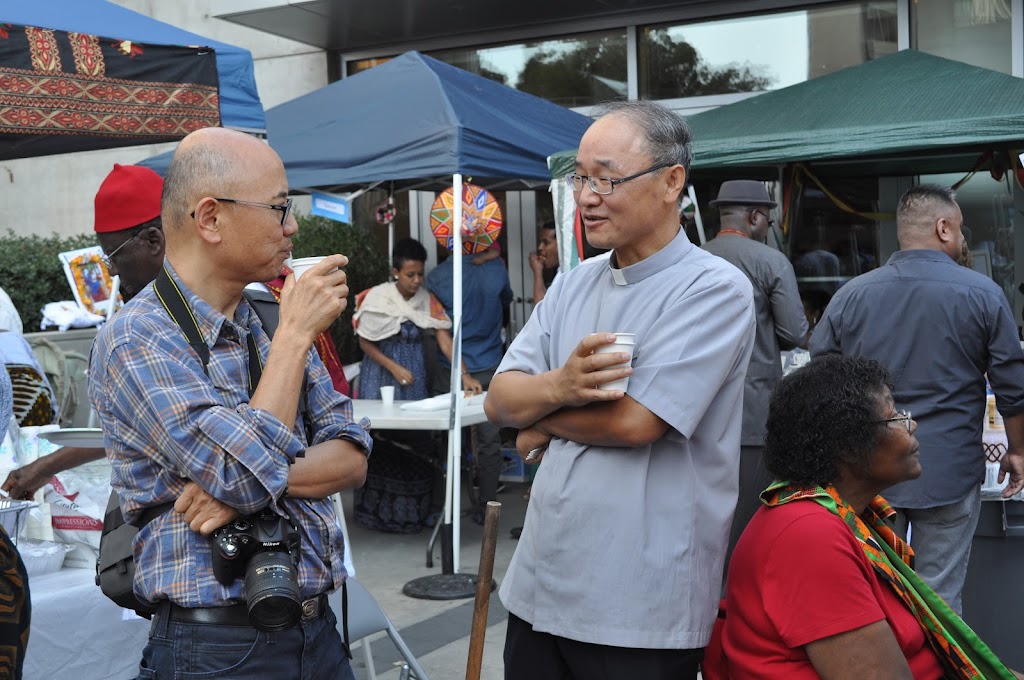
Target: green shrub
x=32 y=274
x=367 y=267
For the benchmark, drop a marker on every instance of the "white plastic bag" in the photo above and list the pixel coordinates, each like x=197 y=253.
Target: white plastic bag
x=67 y=314
x=77 y=499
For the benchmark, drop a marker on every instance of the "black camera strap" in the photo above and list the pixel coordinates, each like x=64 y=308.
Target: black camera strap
x=344 y=618
x=174 y=302
x=267 y=308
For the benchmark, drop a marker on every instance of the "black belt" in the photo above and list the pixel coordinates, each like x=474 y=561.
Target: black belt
x=233 y=615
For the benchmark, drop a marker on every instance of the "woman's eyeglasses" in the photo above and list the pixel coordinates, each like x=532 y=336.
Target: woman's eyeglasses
x=900 y=417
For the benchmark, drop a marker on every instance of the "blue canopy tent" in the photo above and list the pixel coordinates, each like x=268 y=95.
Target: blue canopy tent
x=240 y=106
x=414 y=122
x=417 y=121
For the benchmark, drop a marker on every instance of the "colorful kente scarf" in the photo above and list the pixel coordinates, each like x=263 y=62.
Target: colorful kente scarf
x=962 y=653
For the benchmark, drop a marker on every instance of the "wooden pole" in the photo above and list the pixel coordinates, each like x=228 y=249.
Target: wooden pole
x=483 y=591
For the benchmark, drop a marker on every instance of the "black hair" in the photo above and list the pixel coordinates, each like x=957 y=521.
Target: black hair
x=922 y=197
x=407 y=249
x=822 y=415
x=666 y=134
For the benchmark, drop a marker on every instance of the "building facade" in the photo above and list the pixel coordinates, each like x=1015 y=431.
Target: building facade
x=693 y=55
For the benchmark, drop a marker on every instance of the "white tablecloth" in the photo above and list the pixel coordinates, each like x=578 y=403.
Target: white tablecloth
x=77 y=633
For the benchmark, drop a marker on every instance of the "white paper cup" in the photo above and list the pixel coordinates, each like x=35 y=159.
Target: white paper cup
x=623 y=343
x=387 y=395
x=302 y=264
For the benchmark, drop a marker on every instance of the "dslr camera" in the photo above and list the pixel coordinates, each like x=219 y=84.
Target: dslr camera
x=263 y=550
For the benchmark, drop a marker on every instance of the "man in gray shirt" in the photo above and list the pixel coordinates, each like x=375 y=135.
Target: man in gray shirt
x=781 y=325
x=619 y=567
x=940 y=328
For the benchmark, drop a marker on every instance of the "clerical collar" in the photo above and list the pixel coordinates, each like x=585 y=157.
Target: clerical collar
x=676 y=250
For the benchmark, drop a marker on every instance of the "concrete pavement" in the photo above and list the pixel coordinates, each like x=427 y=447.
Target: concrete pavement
x=437 y=631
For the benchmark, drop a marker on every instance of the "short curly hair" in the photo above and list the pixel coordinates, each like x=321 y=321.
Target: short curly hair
x=822 y=415
x=407 y=250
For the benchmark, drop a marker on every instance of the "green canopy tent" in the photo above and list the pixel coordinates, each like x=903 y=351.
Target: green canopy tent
x=908 y=113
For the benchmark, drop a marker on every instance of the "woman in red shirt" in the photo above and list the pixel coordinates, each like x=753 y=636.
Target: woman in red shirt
x=819 y=585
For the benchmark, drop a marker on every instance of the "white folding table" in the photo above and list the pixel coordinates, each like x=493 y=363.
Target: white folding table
x=395 y=417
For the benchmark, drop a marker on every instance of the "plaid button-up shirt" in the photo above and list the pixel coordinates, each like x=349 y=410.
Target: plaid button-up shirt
x=166 y=423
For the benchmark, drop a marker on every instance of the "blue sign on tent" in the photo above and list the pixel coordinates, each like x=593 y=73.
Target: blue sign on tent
x=332 y=207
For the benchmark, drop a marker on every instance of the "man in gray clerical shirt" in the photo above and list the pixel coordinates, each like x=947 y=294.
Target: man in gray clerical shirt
x=781 y=325
x=619 y=567
x=940 y=328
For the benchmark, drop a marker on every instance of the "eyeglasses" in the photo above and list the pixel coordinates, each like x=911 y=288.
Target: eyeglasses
x=604 y=185
x=771 y=222
x=108 y=258
x=900 y=417
x=285 y=208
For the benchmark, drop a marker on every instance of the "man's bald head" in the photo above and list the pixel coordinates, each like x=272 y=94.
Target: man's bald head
x=919 y=210
x=209 y=161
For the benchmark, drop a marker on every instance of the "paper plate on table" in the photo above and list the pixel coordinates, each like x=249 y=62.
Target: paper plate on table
x=441 y=402
x=87 y=437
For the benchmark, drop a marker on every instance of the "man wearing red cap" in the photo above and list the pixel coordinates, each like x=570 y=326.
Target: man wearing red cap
x=128 y=226
x=129 y=230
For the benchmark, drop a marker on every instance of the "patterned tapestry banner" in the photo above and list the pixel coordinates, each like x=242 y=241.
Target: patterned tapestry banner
x=63 y=92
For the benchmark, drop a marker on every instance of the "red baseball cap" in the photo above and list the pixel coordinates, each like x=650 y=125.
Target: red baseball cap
x=128 y=197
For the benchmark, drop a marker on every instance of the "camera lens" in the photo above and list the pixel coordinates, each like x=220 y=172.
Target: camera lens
x=272 y=591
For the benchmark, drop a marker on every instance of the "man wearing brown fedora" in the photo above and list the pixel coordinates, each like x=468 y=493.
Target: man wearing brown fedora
x=781 y=325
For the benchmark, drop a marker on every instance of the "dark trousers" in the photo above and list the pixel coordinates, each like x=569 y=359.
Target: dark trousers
x=754 y=479
x=486 y=439
x=313 y=650
x=530 y=655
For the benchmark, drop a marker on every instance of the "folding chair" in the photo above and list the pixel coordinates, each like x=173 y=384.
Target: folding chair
x=365 y=617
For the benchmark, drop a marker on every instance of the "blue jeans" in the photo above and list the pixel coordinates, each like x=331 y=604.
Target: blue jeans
x=189 y=651
x=941 y=538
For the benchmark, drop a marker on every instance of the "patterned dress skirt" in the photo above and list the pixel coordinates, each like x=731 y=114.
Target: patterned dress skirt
x=399 y=477
x=15 y=610
x=32 y=397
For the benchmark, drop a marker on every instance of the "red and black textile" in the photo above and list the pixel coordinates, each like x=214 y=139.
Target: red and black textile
x=63 y=92
x=15 y=609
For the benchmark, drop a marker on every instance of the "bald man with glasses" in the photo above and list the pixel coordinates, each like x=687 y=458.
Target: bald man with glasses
x=744 y=206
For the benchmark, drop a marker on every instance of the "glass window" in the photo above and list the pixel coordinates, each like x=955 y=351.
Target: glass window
x=829 y=246
x=987 y=207
x=976 y=32
x=766 y=52
x=354 y=67
x=579 y=70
